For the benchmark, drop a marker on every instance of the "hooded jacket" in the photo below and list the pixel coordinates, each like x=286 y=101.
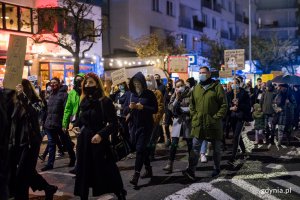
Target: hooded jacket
x=144 y=117
x=72 y=105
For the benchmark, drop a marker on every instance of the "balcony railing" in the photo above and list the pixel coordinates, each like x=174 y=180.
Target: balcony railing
x=275 y=24
x=185 y=22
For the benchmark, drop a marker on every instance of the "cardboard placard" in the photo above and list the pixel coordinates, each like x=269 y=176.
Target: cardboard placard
x=225 y=74
x=119 y=76
x=178 y=64
x=235 y=59
x=15 y=61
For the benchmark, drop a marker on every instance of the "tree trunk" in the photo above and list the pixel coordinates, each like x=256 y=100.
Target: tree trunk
x=76 y=65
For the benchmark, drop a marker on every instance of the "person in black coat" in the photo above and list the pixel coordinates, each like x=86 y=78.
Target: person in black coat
x=24 y=145
x=240 y=110
x=139 y=109
x=96 y=167
x=6 y=109
x=168 y=113
x=53 y=124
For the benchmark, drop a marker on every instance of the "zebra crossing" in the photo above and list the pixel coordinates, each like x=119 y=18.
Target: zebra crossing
x=252 y=184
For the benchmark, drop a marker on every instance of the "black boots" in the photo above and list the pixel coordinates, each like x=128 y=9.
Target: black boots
x=148 y=172
x=135 y=178
x=50 y=191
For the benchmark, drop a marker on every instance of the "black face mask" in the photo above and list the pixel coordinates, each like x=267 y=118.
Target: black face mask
x=77 y=86
x=158 y=82
x=90 y=90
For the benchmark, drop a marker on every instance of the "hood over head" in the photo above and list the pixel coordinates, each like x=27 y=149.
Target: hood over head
x=140 y=76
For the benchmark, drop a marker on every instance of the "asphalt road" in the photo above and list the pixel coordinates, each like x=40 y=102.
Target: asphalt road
x=270 y=172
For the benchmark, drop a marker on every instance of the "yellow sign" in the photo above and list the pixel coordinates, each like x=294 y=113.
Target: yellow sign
x=119 y=76
x=267 y=77
x=15 y=61
x=178 y=64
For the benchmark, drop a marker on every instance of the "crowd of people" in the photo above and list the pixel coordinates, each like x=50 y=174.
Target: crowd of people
x=148 y=112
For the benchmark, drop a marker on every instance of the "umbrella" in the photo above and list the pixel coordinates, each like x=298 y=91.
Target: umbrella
x=287 y=79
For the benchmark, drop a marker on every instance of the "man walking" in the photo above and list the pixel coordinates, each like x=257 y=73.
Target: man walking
x=208 y=106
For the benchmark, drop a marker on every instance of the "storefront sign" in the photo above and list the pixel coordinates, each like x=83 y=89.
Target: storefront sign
x=225 y=74
x=178 y=64
x=276 y=73
x=267 y=77
x=235 y=59
x=15 y=61
x=119 y=76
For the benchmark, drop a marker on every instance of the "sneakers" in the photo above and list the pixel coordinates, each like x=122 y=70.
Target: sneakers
x=189 y=174
x=46 y=168
x=60 y=155
x=203 y=158
x=50 y=191
x=215 y=173
x=169 y=167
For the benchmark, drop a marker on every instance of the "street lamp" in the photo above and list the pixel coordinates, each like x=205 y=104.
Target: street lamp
x=250 y=42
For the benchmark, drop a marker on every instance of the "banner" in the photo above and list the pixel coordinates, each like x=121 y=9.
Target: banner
x=267 y=77
x=119 y=76
x=15 y=61
x=235 y=59
x=178 y=64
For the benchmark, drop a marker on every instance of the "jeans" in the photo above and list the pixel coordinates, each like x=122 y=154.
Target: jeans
x=197 y=146
x=174 y=146
x=52 y=135
x=203 y=147
x=237 y=126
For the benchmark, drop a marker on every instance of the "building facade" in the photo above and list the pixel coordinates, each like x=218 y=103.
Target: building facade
x=44 y=60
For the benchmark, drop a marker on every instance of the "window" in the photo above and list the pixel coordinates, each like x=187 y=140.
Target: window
x=15 y=18
x=155 y=5
x=11 y=17
x=230 y=6
x=214 y=23
x=204 y=19
x=1 y=15
x=170 y=8
x=50 y=20
x=224 y=4
x=25 y=19
x=183 y=39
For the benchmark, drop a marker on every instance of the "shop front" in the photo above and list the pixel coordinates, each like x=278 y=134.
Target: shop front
x=63 y=71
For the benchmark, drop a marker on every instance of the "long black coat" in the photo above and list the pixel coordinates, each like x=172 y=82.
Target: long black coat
x=95 y=165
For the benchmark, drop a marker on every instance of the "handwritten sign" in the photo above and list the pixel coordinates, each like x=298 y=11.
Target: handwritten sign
x=225 y=74
x=178 y=64
x=119 y=76
x=235 y=58
x=32 y=78
x=15 y=61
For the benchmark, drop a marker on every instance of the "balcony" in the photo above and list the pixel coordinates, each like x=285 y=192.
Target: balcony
x=198 y=25
x=215 y=7
x=207 y=4
x=275 y=24
x=185 y=22
x=224 y=34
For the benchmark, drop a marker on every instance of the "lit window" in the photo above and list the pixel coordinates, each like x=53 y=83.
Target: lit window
x=25 y=19
x=1 y=14
x=11 y=17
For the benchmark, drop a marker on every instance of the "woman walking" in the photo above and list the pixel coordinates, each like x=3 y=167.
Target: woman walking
x=96 y=167
x=25 y=141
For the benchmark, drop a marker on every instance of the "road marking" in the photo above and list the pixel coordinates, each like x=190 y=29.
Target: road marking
x=285 y=157
x=252 y=189
x=194 y=188
x=286 y=184
x=58 y=173
x=274 y=166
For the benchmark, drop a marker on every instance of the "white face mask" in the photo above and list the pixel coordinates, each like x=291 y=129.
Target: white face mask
x=181 y=89
x=202 y=77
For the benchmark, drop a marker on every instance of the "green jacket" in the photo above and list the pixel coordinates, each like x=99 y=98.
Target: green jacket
x=71 y=107
x=208 y=108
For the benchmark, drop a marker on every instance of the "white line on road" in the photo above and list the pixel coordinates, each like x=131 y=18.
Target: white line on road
x=274 y=166
x=286 y=184
x=252 y=189
x=58 y=173
x=194 y=188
